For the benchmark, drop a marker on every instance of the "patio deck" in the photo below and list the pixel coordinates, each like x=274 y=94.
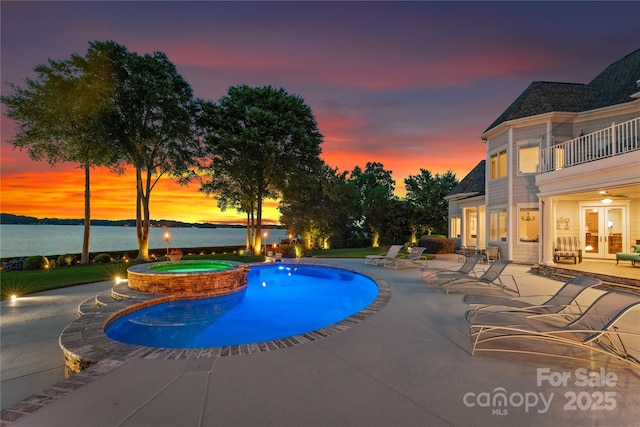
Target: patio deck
x=408 y=364
x=608 y=271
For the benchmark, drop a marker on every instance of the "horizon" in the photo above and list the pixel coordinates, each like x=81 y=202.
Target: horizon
x=237 y=223
x=408 y=84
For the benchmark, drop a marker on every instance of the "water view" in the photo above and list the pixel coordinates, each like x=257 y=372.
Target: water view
x=27 y=240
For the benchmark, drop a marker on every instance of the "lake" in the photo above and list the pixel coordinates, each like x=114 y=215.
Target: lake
x=27 y=240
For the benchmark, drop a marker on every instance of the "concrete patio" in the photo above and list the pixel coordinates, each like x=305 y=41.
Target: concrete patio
x=407 y=365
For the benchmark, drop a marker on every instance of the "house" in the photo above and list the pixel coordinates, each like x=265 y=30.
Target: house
x=562 y=160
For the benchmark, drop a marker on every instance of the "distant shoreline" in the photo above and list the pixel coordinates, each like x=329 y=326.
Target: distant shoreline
x=11 y=219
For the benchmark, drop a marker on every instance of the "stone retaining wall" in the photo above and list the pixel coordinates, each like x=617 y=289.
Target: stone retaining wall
x=188 y=283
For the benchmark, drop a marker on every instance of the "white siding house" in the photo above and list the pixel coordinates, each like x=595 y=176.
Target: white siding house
x=562 y=160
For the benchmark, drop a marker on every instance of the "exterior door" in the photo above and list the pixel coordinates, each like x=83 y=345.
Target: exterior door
x=604 y=230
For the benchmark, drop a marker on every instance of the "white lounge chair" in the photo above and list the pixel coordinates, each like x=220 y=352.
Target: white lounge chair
x=490 y=277
x=598 y=330
x=391 y=254
x=468 y=268
x=412 y=260
x=564 y=300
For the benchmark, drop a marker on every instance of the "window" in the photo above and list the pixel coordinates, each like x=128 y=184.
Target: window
x=498 y=225
x=455 y=227
x=528 y=156
x=498 y=165
x=528 y=221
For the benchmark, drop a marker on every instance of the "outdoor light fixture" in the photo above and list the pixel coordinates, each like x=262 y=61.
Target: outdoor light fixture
x=265 y=242
x=166 y=239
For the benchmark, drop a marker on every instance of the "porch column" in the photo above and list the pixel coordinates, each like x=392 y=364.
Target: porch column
x=478 y=227
x=548 y=230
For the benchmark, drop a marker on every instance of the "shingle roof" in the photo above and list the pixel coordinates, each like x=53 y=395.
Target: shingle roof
x=613 y=86
x=473 y=183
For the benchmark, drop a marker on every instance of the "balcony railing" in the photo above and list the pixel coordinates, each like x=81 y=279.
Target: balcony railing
x=611 y=141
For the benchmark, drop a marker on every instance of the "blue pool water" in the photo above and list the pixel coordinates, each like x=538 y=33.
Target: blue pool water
x=279 y=301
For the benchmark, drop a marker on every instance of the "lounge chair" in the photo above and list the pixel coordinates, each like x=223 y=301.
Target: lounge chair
x=598 y=329
x=489 y=277
x=564 y=300
x=412 y=260
x=391 y=254
x=468 y=268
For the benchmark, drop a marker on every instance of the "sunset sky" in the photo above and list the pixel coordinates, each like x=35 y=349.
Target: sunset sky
x=409 y=84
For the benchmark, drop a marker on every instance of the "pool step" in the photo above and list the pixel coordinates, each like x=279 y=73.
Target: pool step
x=94 y=303
x=103 y=299
x=121 y=292
x=87 y=306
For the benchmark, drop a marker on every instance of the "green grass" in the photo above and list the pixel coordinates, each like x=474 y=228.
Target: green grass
x=28 y=282
x=348 y=252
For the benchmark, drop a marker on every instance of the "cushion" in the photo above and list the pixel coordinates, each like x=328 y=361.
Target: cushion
x=637 y=249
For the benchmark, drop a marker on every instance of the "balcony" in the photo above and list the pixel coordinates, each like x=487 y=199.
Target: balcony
x=612 y=141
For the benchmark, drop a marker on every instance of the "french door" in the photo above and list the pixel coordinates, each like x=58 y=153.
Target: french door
x=604 y=231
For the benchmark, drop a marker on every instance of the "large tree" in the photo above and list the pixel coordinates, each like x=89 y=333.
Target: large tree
x=376 y=186
x=258 y=139
x=152 y=127
x=426 y=192
x=61 y=115
x=322 y=208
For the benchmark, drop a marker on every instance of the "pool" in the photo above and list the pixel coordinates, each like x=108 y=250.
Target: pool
x=279 y=301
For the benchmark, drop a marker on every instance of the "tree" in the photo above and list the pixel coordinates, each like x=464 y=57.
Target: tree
x=375 y=186
x=323 y=208
x=258 y=140
x=153 y=127
x=61 y=116
x=427 y=193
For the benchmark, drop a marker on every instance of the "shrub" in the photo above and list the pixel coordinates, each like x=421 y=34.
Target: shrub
x=13 y=264
x=289 y=251
x=102 y=259
x=35 y=263
x=65 y=260
x=437 y=245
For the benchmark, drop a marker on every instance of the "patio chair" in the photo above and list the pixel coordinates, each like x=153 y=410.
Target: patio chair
x=391 y=254
x=492 y=253
x=465 y=252
x=490 y=277
x=412 y=260
x=598 y=329
x=564 y=300
x=567 y=247
x=468 y=268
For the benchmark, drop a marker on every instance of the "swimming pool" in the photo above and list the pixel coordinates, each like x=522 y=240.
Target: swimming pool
x=280 y=301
